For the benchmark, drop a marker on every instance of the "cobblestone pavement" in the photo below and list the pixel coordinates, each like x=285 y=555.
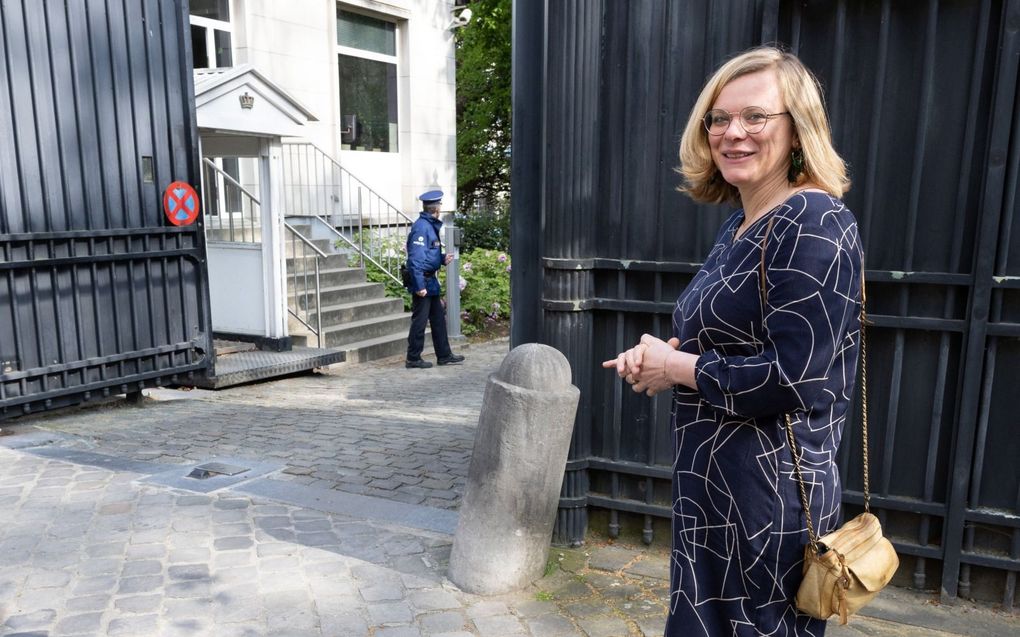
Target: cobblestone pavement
x=342 y=527
x=373 y=429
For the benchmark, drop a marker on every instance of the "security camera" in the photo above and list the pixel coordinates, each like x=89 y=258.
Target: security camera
x=460 y=18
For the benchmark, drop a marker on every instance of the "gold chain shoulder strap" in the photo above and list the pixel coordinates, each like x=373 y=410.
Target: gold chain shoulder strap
x=791 y=439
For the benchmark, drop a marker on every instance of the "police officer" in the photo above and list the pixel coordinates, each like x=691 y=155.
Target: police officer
x=424 y=258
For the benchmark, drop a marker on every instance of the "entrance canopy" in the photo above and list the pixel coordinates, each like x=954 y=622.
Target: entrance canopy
x=242 y=100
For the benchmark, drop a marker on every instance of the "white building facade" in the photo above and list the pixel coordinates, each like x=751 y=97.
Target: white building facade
x=378 y=76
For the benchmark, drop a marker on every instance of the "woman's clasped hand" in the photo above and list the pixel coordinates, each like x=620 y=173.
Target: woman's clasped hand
x=651 y=366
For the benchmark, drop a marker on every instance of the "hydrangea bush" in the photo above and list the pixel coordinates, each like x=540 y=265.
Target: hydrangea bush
x=484 y=289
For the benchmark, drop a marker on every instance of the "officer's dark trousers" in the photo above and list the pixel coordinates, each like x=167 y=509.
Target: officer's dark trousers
x=427 y=309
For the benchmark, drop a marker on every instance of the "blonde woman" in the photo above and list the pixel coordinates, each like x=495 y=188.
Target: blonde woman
x=746 y=350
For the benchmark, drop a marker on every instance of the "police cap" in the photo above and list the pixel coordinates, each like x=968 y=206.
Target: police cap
x=430 y=197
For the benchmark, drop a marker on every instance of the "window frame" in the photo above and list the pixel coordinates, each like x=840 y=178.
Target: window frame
x=339 y=50
x=211 y=26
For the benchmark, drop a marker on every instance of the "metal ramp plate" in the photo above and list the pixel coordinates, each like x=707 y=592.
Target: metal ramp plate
x=245 y=367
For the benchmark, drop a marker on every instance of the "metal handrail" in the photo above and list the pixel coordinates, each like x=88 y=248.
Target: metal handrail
x=361 y=252
x=318 y=187
x=295 y=310
x=324 y=155
x=216 y=222
x=227 y=176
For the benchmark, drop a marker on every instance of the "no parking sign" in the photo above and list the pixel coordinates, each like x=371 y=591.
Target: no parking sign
x=180 y=203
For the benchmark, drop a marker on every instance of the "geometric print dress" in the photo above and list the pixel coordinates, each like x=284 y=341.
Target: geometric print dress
x=739 y=529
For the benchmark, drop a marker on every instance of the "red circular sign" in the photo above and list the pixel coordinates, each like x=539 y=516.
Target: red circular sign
x=180 y=203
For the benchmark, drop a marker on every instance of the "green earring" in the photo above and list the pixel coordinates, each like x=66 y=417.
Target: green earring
x=796 y=165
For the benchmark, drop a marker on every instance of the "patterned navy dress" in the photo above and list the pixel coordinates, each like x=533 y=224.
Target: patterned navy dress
x=738 y=526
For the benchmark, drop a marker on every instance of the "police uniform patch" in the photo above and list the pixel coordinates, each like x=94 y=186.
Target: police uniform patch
x=420 y=241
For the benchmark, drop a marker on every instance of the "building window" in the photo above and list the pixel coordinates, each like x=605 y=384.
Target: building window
x=210 y=34
x=367 y=56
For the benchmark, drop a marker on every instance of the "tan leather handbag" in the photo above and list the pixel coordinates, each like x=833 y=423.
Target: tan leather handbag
x=844 y=569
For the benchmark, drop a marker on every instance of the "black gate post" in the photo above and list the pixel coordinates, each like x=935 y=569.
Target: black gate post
x=1002 y=113
x=528 y=97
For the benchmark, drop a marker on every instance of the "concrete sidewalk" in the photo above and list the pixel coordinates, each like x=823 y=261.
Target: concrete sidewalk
x=339 y=523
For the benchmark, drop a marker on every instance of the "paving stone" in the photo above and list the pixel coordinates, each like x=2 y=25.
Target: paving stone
x=498 y=626
x=442 y=622
x=48 y=579
x=139 y=603
x=382 y=592
x=229 y=516
x=611 y=558
x=141 y=584
x=488 y=609
x=603 y=626
x=434 y=600
x=534 y=608
x=649 y=566
x=652 y=627
x=188 y=572
x=551 y=625
x=188 y=556
x=570 y=589
x=398 y=631
x=232 y=543
x=585 y=608
x=318 y=539
x=140 y=626
x=87 y=603
x=232 y=503
x=311 y=526
x=31 y=621
x=188 y=589
x=238 y=604
x=299 y=622
x=233 y=559
x=273 y=522
x=389 y=613
x=98 y=584
x=145 y=551
x=276 y=563
x=226 y=577
x=141 y=567
x=88 y=623
x=149 y=535
x=228 y=530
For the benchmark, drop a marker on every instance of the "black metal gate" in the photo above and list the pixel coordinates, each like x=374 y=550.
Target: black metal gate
x=923 y=98
x=99 y=293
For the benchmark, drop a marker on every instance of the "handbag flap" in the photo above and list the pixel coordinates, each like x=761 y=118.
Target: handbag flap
x=869 y=556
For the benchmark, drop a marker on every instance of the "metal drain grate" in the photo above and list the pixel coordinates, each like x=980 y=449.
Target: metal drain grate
x=211 y=469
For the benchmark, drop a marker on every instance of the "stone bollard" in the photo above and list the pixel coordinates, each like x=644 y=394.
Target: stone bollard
x=513 y=487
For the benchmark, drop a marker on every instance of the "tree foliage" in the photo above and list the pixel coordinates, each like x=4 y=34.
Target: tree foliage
x=483 y=104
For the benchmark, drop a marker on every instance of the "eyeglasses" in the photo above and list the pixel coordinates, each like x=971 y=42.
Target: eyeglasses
x=752 y=120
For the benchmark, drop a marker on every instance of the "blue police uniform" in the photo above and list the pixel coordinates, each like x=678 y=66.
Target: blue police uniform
x=425 y=254
x=424 y=258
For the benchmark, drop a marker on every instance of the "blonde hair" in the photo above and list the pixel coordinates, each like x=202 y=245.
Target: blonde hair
x=823 y=167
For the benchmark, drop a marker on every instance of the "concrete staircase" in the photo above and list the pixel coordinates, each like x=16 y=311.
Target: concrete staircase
x=357 y=316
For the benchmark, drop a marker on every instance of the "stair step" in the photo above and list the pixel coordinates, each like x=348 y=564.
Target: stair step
x=380 y=347
x=334 y=260
x=350 y=293
x=328 y=277
x=339 y=336
x=292 y=246
x=346 y=313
